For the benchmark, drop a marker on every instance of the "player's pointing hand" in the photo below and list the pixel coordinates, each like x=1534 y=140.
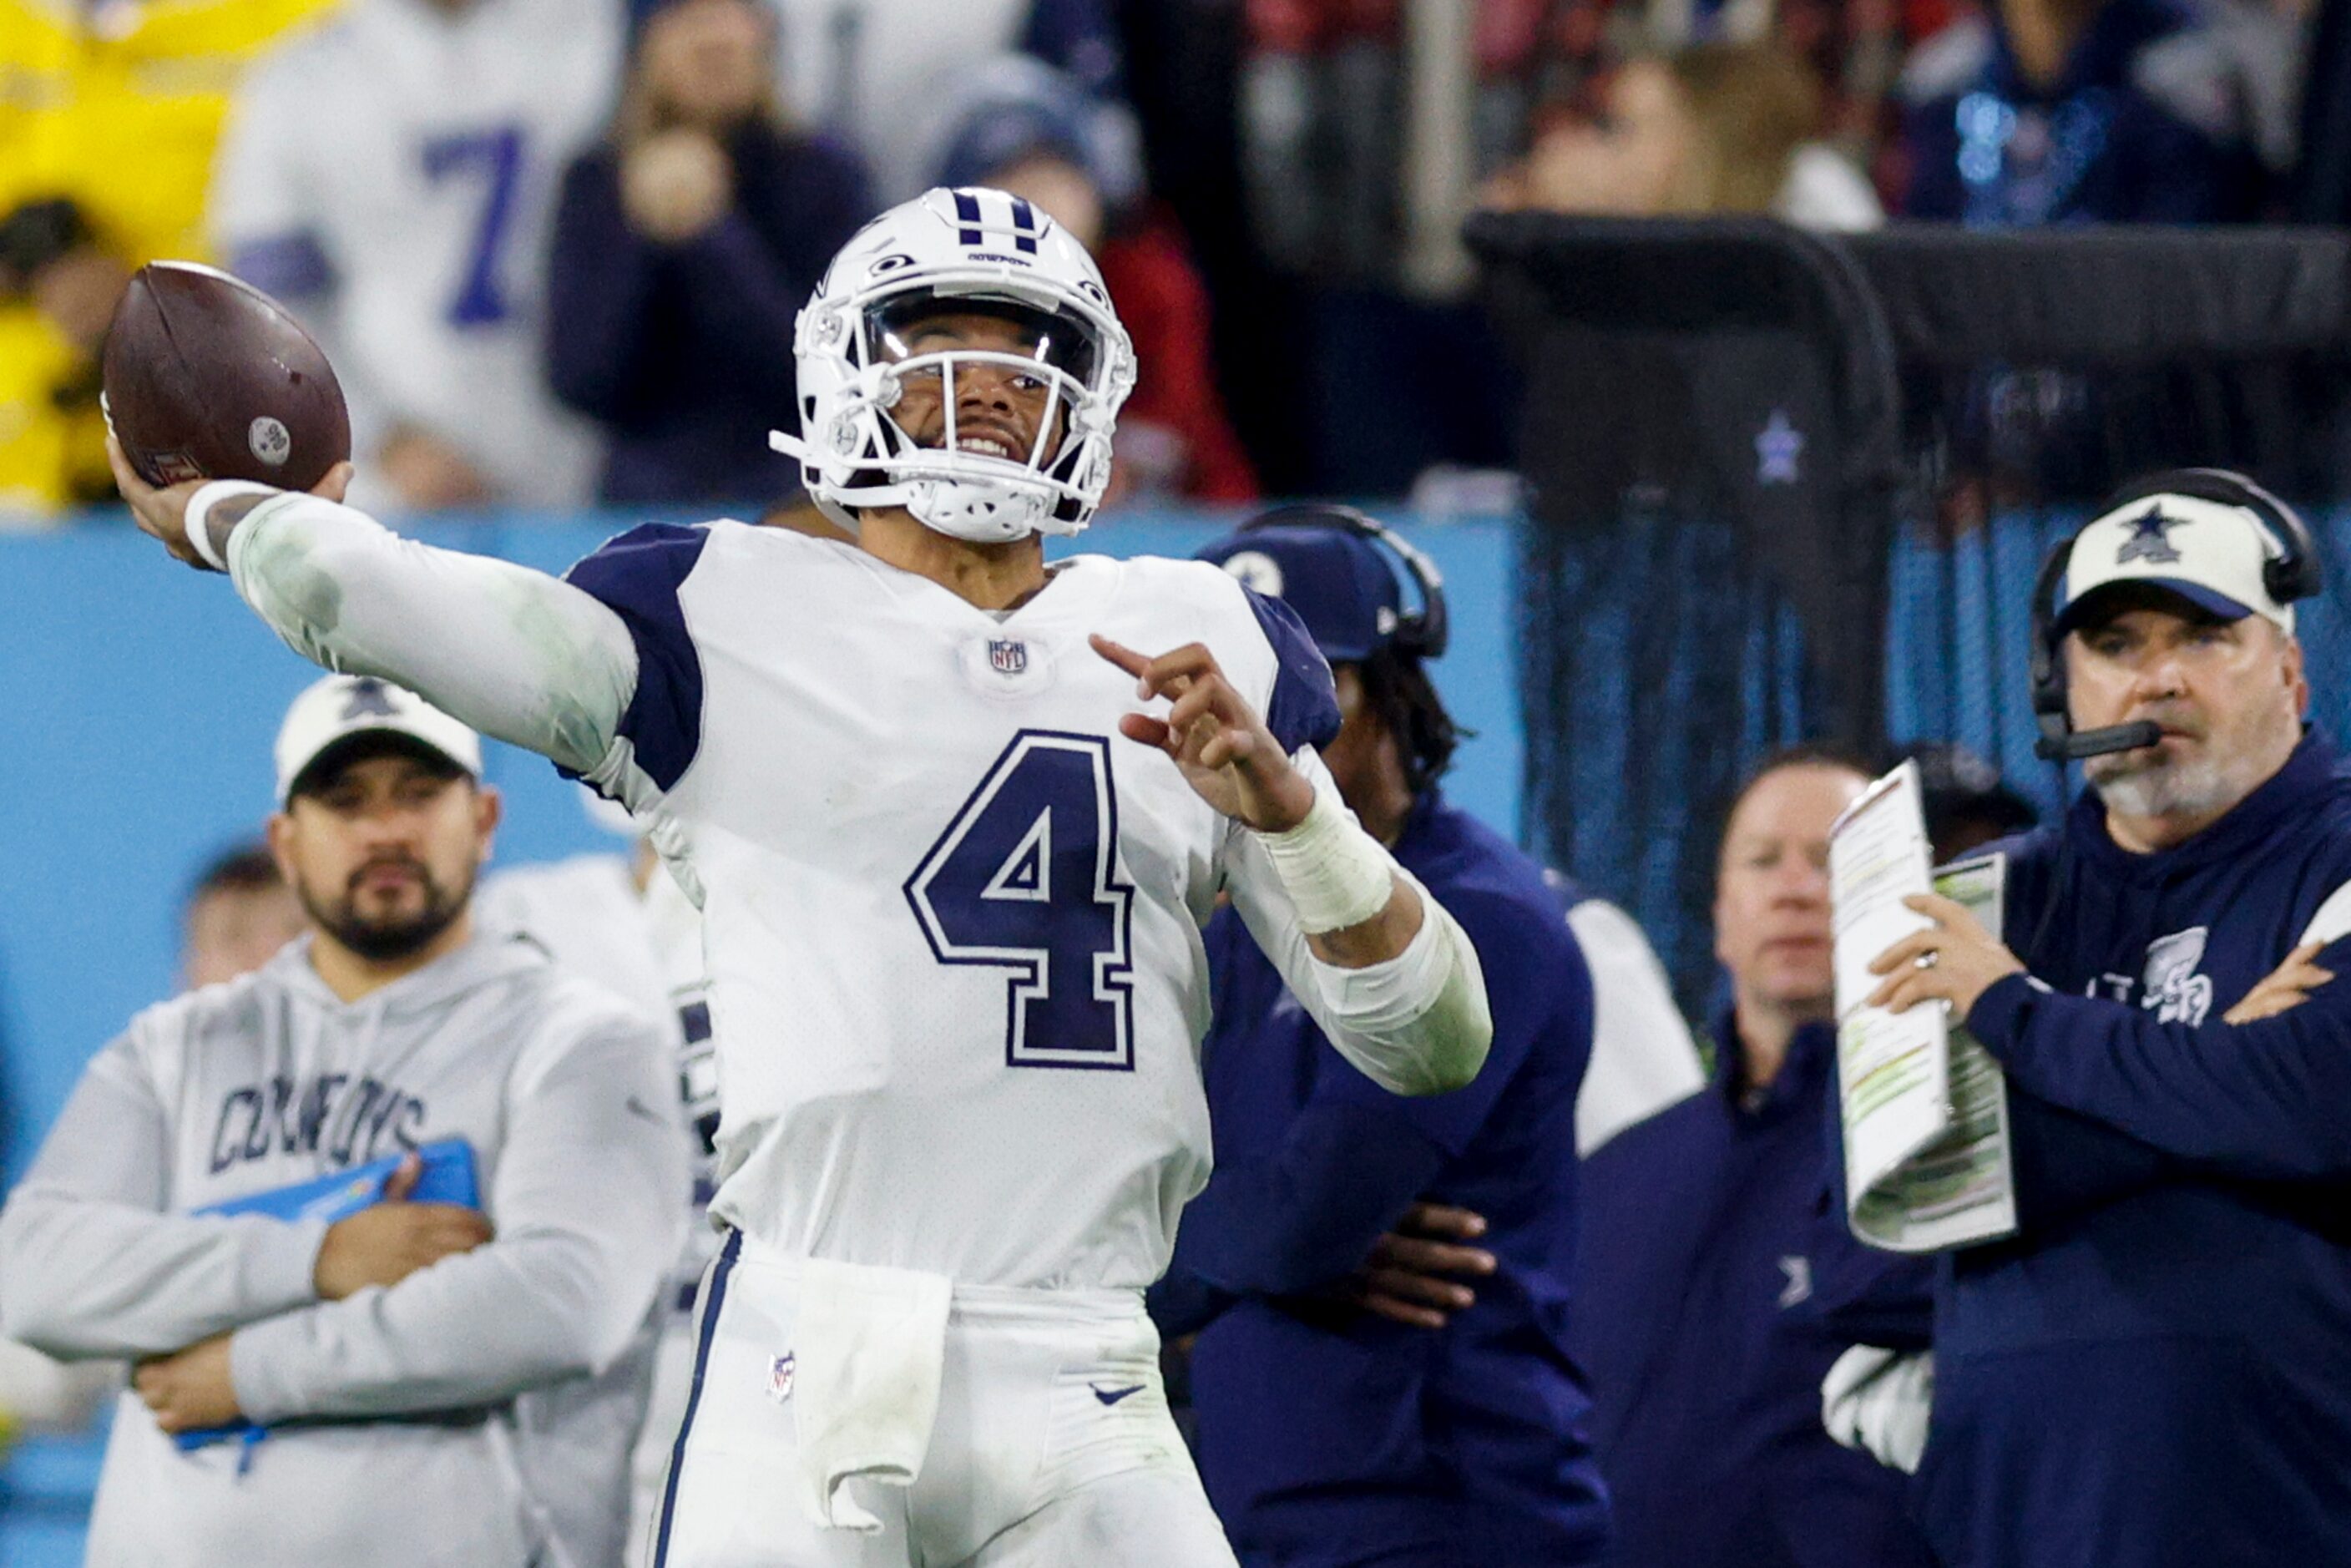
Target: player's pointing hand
x=1214 y=735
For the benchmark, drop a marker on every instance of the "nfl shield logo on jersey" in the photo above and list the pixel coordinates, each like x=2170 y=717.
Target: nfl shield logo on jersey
x=1008 y=657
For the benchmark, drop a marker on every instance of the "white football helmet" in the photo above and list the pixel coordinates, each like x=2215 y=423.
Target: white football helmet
x=989 y=252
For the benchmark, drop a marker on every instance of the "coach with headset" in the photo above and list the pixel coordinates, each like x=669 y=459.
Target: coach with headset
x=2156 y=1368
x=1419 y=1411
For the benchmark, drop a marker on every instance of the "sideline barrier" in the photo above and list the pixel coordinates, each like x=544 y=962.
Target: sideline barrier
x=1788 y=487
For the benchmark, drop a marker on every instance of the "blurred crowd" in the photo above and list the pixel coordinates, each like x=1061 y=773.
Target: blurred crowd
x=555 y=247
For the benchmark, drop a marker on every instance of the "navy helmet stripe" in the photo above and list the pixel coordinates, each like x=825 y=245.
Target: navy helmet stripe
x=1024 y=226
x=967 y=209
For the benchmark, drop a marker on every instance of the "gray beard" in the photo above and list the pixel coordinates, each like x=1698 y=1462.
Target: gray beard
x=2136 y=788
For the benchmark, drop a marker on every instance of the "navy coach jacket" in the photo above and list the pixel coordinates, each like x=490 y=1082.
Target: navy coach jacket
x=1715 y=1285
x=2156 y=1370
x=1330 y=1437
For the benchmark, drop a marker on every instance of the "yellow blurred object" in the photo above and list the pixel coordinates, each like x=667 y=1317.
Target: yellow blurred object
x=117 y=105
x=52 y=450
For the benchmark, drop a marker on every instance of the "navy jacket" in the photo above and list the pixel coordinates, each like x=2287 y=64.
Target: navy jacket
x=1717 y=1282
x=2156 y=1369
x=1330 y=1437
x=683 y=353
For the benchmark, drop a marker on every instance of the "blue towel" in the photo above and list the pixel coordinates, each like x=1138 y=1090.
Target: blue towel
x=447 y=1178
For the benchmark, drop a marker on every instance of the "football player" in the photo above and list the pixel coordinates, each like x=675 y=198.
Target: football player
x=954 y=818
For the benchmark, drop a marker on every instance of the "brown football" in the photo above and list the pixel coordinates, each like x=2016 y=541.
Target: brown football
x=208 y=377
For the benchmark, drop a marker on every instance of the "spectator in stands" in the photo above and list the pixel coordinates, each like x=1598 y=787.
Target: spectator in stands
x=1024 y=128
x=868 y=73
x=58 y=287
x=1713 y=127
x=685 y=246
x=1716 y=1282
x=1390 y=1419
x=1968 y=804
x=238 y=914
x=393 y=180
x=2049 y=111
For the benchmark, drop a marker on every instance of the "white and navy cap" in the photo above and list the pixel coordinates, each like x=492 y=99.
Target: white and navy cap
x=342 y=708
x=2210 y=553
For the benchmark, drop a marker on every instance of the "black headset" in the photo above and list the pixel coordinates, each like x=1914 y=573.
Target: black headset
x=1423 y=632
x=2295 y=569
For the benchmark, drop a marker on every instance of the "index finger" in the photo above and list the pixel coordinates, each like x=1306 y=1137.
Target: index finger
x=1445 y=1219
x=1422 y=1256
x=1946 y=910
x=1905 y=950
x=126 y=477
x=404 y=1179
x=1118 y=654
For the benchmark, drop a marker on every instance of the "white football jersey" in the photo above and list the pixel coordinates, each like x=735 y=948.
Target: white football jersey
x=420 y=152
x=951 y=917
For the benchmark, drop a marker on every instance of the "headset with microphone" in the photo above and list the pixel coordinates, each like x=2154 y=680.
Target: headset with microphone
x=2294 y=571
x=1422 y=632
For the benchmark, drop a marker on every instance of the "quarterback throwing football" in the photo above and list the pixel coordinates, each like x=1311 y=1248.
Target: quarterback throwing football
x=954 y=818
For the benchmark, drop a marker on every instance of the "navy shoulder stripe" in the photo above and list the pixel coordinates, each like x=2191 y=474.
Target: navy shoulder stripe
x=638 y=574
x=1305 y=707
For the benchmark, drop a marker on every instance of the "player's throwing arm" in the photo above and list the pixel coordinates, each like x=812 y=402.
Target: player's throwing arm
x=514 y=652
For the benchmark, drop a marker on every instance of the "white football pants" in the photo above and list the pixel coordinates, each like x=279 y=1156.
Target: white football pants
x=1052 y=1449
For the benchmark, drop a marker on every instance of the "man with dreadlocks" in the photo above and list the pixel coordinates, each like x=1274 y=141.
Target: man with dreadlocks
x=1353 y=1411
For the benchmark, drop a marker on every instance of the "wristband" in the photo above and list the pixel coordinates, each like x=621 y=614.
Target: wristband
x=1336 y=875
x=196 y=521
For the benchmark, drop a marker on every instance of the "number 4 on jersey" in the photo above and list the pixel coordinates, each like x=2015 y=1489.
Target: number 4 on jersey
x=1026 y=878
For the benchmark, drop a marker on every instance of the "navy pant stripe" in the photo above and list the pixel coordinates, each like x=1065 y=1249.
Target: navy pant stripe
x=710 y=1309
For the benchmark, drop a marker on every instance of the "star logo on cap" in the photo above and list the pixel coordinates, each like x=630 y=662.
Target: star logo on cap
x=2149 y=540
x=369 y=695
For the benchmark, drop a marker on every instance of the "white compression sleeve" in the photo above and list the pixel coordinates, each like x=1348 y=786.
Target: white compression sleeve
x=518 y=654
x=1336 y=875
x=1419 y=1023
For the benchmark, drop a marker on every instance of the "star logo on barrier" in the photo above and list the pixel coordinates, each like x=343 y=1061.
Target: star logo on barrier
x=2151 y=539
x=1779 y=446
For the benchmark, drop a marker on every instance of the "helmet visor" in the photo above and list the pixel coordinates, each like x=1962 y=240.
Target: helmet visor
x=916 y=325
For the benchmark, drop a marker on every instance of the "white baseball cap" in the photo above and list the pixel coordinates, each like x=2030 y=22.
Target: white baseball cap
x=2208 y=552
x=341 y=707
